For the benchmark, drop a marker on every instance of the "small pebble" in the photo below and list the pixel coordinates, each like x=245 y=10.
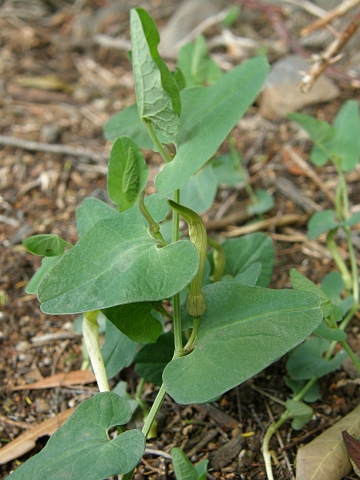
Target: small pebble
x=41 y=406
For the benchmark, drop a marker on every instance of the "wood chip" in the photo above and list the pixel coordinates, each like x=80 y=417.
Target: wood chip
x=27 y=440
x=77 y=377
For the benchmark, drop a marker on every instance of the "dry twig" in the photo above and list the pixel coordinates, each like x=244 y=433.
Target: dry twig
x=339 y=11
x=308 y=171
x=51 y=148
x=330 y=55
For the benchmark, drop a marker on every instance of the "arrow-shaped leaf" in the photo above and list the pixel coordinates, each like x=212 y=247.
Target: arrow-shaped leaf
x=243 y=330
x=208 y=115
x=117 y=262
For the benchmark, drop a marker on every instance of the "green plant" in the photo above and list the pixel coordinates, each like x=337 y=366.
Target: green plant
x=339 y=291
x=226 y=326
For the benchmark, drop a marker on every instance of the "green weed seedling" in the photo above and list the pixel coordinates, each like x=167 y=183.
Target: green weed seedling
x=195 y=317
x=339 y=291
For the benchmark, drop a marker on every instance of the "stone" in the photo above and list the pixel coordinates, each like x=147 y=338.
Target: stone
x=281 y=93
x=186 y=18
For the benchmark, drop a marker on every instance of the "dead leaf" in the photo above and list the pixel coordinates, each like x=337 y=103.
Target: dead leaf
x=77 y=377
x=26 y=441
x=47 y=82
x=353 y=447
x=326 y=456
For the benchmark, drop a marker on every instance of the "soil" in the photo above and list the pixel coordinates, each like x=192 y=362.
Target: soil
x=59 y=87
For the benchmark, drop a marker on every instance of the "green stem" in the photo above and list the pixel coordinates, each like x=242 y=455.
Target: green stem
x=175 y=219
x=91 y=338
x=237 y=161
x=190 y=343
x=351 y=354
x=219 y=259
x=301 y=394
x=139 y=389
x=154 y=411
x=179 y=349
x=153 y=226
x=177 y=328
x=331 y=245
x=149 y=421
x=157 y=142
x=354 y=266
x=266 y=442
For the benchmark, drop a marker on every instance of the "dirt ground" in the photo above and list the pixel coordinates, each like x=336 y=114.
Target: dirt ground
x=58 y=88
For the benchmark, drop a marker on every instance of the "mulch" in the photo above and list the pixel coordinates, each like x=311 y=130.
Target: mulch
x=53 y=155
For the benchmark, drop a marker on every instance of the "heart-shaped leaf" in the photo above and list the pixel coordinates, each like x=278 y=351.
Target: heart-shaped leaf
x=81 y=448
x=299 y=412
x=117 y=262
x=90 y=212
x=307 y=361
x=243 y=330
x=47 y=264
x=300 y=282
x=324 y=221
x=208 y=115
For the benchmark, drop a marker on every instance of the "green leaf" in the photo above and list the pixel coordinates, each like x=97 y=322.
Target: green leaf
x=127 y=174
x=47 y=263
x=243 y=331
x=265 y=202
x=121 y=390
x=184 y=469
x=118 y=351
x=300 y=282
x=324 y=221
x=226 y=171
x=324 y=331
x=299 y=412
x=135 y=321
x=306 y=361
x=243 y=252
x=90 y=212
x=232 y=15
x=321 y=133
x=157 y=94
x=342 y=140
x=46 y=245
x=117 y=262
x=151 y=360
x=196 y=65
x=347 y=125
x=199 y=192
x=208 y=115
x=312 y=395
x=249 y=276
x=81 y=448
x=333 y=285
x=128 y=123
